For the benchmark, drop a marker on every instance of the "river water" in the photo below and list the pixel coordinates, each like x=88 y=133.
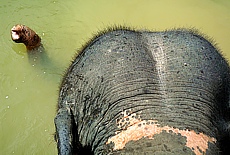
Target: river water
x=28 y=94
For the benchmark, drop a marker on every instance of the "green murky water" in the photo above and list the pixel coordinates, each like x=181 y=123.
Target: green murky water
x=28 y=94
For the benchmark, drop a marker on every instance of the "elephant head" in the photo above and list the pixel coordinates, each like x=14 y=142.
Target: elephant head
x=141 y=92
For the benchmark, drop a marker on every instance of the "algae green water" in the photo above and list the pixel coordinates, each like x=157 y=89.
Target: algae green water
x=28 y=94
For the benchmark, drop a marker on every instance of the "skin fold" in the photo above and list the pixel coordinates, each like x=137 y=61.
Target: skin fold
x=140 y=92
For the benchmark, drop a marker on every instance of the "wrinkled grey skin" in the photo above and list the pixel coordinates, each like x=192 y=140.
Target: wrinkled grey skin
x=175 y=77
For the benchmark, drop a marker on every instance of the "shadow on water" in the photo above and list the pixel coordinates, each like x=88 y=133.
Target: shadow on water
x=44 y=65
x=40 y=63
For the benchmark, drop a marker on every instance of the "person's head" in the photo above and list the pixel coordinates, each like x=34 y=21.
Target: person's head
x=23 y=34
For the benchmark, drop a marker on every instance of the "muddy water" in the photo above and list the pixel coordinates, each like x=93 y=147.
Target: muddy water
x=28 y=94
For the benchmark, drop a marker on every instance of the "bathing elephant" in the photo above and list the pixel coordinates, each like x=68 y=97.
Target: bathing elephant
x=140 y=92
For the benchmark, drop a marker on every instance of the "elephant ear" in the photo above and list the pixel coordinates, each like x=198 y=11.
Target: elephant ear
x=63 y=124
x=225 y=140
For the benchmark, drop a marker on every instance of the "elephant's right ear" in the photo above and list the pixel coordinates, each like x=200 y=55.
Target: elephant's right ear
x=225 y=142
x=227 y=116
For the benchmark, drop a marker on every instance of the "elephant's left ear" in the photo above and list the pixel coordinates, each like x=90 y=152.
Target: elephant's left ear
x=225 y=140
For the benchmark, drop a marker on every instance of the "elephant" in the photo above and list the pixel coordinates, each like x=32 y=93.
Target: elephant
x=145 y=92
x=141 y=92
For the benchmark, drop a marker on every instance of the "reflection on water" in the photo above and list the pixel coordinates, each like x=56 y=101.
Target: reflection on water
x=28 y=94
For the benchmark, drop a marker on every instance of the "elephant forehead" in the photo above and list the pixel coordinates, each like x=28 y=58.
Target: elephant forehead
x=136 y=129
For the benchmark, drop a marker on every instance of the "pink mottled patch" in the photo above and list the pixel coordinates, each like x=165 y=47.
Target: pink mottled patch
x=138 y=129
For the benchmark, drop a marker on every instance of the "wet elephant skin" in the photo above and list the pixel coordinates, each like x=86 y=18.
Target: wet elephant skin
x=140 y=92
